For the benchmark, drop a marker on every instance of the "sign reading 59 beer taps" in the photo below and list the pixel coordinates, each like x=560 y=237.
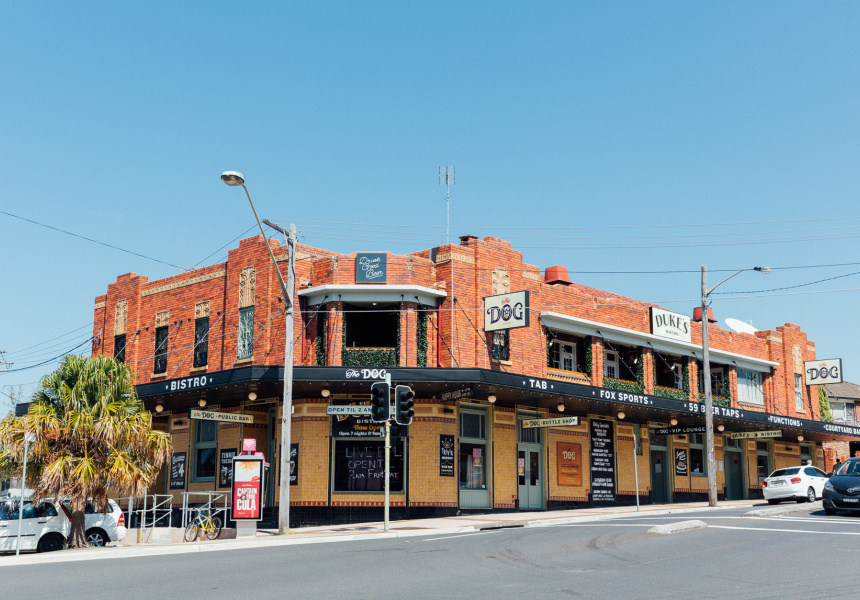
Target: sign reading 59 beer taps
x=506 y=311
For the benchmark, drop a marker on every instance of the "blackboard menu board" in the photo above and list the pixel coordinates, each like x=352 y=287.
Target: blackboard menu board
x=177 y=470
x=225 y=467
x=681 y=469
x=446 y=455
x=602 y=462
x=359 y=466
x=294 y=464
x=354 y=425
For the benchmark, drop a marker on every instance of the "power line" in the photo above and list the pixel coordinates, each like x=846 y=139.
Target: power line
x=47 y=361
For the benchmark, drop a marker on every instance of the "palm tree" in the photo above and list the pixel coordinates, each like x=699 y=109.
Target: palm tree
x=92 y=433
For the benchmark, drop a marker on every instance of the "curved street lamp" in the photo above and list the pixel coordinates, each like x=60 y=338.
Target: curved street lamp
x=706 y=376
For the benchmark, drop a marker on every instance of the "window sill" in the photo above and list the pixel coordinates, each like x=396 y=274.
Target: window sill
x=158 y=376
x=243 y=361
x=507 y=363
x=198 y=369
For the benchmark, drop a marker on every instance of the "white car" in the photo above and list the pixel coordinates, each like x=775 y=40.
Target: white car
x=102 y=528
x=804 y=484
x=44 y=527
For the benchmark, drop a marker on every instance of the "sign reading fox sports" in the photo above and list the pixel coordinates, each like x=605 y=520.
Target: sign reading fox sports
x=506 y=311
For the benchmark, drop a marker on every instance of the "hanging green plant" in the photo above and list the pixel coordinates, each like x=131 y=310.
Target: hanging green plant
x=368 y=357
x=320 y=345
x=640 y=367
x=685 y=376
x=421 y=330
x=589 y=354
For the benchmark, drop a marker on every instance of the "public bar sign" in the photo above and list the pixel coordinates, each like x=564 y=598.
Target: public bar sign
x=561 y=422
x=775 y=433
x=371 y=267
x=211 y=415
x=670 y=325
x=819 y=372
x=506 y=311
x=247 y=497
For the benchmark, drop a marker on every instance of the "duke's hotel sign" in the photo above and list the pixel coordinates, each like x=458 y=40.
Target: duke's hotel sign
x=670 y=325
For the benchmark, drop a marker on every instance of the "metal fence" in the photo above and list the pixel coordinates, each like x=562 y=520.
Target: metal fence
x=211 y=503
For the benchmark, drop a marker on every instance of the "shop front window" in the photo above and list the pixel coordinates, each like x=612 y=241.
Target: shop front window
x=697 y=454
x=205 y=450
x=473 y=450
x=762 y=460
x=359 y=466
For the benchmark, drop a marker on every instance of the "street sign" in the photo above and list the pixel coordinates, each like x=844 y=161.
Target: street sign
x=561 y=422
x=756 y=434
x=347 y=410
x=212 y=415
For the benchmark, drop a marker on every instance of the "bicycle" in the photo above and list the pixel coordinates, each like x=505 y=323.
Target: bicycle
x=211 y=526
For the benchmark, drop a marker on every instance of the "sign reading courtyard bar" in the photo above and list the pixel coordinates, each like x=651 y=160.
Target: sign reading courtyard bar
x=212 y=415
x=756 y=434
x=506 y=311
x=560 y=422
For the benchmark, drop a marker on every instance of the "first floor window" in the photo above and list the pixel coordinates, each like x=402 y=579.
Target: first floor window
x=119 y=348
x=798 y=392
x=501 y=345
x=246 y=332
x=749 y=387
x=564 y=355
x=201 y=342
x=160 y=350
x=205 y=450
x=359 y=466
x=717 y=374
x=698 y=460
x=610 y=364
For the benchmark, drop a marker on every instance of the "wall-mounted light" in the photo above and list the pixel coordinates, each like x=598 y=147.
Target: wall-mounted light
x=673 y=422
x=491 y=398
x=800 y=438
x=159 y=408
x=560 y=407
x=721 y=427
x=252 y=396
x=201 y=403
x=621 y=415
x=325 y=392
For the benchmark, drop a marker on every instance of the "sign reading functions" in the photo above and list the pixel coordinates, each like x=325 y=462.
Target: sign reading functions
x=560 y=422
x=211 y=415
x=506 y=311
x=371 y=267
x=670 y=325
x=756 y=434
x=347 y=410
x=828 y=370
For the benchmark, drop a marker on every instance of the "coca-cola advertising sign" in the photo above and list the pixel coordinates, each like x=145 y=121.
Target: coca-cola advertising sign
x=247 y=488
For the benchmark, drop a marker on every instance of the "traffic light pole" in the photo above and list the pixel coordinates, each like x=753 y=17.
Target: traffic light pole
x=387 y=456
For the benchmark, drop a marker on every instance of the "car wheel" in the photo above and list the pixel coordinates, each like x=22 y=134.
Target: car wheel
x=97 y=538
x=773 y=501
x=810 y=495
x=50 y=543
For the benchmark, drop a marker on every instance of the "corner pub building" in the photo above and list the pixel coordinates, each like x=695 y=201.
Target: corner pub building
x=214 y=337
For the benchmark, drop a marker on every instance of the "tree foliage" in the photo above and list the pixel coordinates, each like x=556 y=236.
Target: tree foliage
x=91 y=434
x=824 y=404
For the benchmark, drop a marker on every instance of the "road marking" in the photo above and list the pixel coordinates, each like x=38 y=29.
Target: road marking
x=459 y=535
x=787 y=530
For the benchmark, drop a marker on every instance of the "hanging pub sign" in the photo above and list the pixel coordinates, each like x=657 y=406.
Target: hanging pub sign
x=670 y=325
x=506 y=311
x=828 y=370
x=354 y=425
x=214 y=415
x=247 y=497
x=681 y=462
x=774 y=433
x=225 y=467
x=602 y=462
x=569 y=459
x=559 y=422
x=446 y=455
x=177 y=470
x=679 y=430
x=371 y=267
x=294 y=464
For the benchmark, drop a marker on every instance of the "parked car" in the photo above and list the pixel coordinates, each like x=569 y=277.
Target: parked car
x=44 y=527
x=842 y=490
x=102 y=528
x=803 y=483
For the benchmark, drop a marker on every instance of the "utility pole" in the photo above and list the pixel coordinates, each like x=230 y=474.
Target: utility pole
x=387 y=456
x=446 y=178
x=709 y=405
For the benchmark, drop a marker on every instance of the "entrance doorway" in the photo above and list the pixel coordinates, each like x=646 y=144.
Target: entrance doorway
x=660 y=477
x=530 y=468
x=735 y=488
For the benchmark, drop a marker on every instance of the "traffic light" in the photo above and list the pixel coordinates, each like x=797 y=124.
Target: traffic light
x=403 y=404
x=380 y=402
x=399 y=431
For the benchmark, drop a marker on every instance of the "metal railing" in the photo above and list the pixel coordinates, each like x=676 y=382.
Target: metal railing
x=152 y=510
x=210 y=506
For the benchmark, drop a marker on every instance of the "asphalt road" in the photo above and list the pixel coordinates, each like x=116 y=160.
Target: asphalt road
x=796 y=556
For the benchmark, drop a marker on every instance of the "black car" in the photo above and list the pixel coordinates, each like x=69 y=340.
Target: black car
x=842 y=491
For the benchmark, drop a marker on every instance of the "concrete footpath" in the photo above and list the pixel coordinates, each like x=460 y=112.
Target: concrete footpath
x=375 y=530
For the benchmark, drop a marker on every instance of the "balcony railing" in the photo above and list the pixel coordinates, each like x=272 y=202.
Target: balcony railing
x=369 y=357
x=622 y=384
x=668 y=392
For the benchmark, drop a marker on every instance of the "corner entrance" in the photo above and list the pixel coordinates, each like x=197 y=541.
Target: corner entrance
x=735 y=488
x=660 y=480
x=530 y=468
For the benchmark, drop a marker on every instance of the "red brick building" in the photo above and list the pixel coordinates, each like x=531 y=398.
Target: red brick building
x=630 y=371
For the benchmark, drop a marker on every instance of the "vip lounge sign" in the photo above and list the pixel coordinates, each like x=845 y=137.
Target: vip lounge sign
x=819 y=372
x=371 y=267
x=506 y=311
x=670 y=325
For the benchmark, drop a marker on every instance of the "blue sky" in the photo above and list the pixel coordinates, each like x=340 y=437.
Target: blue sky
x=592 y=135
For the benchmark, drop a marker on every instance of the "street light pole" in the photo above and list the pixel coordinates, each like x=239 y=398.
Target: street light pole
x=28 y=437
x=234 y=178
x=706 y=376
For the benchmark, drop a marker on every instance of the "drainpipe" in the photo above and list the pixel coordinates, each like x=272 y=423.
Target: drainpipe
x=439 y=333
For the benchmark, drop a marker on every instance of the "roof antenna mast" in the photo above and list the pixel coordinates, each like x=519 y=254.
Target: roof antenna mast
x=446 y=178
